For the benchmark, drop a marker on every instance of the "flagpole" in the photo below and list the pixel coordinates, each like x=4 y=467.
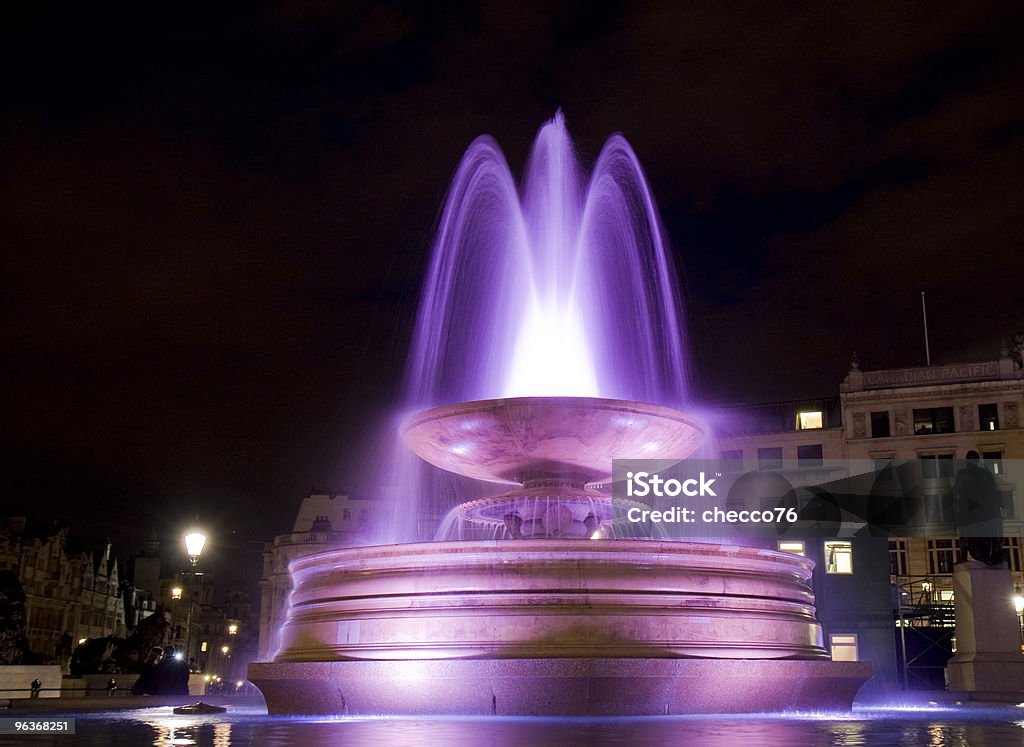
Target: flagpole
x=927 y=349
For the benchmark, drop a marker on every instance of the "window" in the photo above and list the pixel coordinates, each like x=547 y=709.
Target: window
x=1011 y=551
x=880 y=424
x=933 y=420
x=936 y=465
x=770 y=458
x=346 y=514
x=988 y=417
x=792 y=546
x=735 y=503
x=732 y=460
x=1006 y=501
x=203 y=646
x=939 y=507
x=898 y=557
x=940 y=556
x=838 y=557
x=810 y=420
x=881 y=464
x=809 y=456
x=844 y=646
x=993 y=461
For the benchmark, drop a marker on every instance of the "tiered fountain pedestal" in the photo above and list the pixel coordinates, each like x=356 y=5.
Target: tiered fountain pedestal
x=553 y=627
x=549 y=625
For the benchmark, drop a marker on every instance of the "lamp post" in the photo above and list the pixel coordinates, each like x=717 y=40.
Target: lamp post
x=1018 y=606
x=226 y=669
x=195 y=541
x=175 y=596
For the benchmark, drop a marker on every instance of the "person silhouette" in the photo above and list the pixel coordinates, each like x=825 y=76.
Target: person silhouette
x=147 y=684
x=979 y=518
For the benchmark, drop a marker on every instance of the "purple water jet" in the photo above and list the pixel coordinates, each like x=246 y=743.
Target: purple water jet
x=560 y=288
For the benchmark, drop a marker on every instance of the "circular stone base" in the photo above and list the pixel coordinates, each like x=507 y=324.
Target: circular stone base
x=557 y=687
x=550 y=599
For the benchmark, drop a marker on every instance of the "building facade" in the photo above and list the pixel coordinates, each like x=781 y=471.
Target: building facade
x=889 y=599
x=324 y=521
x=72 y=589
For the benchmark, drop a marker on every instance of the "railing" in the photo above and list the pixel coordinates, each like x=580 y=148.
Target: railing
x=32 y=693
x=926 y=625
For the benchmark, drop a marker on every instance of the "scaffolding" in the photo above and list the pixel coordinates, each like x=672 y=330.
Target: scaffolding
x=926 y=627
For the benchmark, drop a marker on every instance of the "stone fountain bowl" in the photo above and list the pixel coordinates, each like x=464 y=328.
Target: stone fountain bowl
x=543 y=598
x=526 y=439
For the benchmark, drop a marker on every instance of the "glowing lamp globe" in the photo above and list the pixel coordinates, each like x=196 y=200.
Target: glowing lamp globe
x=194 y=543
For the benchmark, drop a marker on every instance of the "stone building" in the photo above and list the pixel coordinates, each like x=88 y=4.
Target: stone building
x=324 y=521
x=889 y=599
x=70 y=586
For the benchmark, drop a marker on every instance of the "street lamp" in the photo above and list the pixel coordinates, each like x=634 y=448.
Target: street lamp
x=195 y=541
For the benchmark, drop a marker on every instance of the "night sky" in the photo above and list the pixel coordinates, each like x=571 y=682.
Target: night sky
x=216 y=216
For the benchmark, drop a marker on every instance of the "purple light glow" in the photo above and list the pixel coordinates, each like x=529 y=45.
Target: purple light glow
x=562 y=287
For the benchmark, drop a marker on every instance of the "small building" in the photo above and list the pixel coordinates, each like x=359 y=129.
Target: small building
x=325 y=520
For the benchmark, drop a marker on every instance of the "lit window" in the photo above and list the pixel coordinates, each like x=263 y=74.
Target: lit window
x=793 y=546
x=844 y=646
x=838 y=557
x=809 y=420
x=203 y=646
x=993 y=461
x=988 y=417
x=933 y=420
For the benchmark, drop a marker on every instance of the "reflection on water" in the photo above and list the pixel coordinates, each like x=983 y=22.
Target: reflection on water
x=939 y=727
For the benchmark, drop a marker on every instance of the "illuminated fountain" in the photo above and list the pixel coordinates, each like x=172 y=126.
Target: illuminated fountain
x=549 y=320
